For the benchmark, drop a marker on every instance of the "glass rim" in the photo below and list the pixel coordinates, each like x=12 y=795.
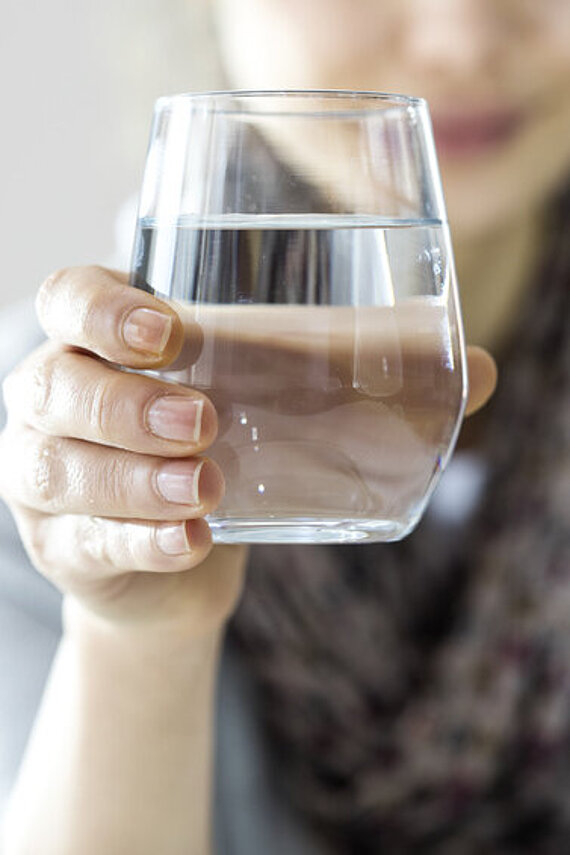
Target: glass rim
x=383 y=100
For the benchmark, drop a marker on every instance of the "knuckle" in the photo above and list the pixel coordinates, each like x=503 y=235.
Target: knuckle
x=49 y=289
x=115 y=482
x=115 y=546
x=92 y=540
x=97 y=303
x=135 y=547
x=80 y=288
x=103 y=404
x=43 y=378
x=47 y=473
x=28 y=389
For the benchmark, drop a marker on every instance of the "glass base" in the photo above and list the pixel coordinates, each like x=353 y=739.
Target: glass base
x=307 y=530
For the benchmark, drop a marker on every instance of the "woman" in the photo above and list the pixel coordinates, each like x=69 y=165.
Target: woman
x=416 y=694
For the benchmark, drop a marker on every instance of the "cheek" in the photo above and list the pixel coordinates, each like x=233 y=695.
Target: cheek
x=550 y=49
x=341 y=42
x=558 y=28
x=484 y=196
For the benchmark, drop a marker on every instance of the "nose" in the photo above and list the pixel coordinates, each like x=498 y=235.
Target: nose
x=453 y=36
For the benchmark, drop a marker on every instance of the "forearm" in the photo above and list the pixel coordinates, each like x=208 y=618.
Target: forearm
x=120 y=759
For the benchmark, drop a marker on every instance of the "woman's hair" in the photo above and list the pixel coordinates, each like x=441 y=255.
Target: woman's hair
x=418 y=693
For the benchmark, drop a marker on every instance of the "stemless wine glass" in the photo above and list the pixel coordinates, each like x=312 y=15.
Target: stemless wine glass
x=303 y=239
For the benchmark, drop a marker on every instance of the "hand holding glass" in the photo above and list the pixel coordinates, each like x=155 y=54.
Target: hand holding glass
x=302 y=237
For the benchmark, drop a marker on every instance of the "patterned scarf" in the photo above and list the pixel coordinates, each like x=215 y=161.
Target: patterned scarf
x=417 y=694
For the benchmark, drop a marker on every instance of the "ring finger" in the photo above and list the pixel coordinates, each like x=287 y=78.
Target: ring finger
x=55 y=475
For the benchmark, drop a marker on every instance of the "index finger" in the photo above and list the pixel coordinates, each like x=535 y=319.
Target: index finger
x=97 y=310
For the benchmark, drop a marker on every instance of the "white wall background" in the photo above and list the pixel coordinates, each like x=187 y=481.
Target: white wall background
x=77 y=82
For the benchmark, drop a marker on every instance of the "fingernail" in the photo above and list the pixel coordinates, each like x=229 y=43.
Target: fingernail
x=146 y=330
x=176 y=417
x=173 y=539
x=177 y=483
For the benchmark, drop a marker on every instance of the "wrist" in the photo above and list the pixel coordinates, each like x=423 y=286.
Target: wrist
x=160 y=649
x=175 y=612
x=127 y=720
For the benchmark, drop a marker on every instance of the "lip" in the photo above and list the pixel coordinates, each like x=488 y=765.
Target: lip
x=467 y=133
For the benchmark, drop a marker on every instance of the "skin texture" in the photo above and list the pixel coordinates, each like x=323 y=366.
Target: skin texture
x=127 y=716
x=82 y=469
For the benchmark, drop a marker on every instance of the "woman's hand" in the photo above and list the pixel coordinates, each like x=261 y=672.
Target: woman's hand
x=482 y=371
x=104 y=469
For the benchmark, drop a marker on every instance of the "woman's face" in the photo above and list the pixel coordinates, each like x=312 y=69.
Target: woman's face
x=496 y=74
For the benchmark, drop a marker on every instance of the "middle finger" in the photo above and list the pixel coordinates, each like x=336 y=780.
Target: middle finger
x=72 y=394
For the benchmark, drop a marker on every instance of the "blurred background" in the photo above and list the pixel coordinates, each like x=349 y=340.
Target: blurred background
x=78 y=83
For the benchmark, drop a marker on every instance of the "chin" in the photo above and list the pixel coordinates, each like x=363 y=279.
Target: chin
x=486 y=190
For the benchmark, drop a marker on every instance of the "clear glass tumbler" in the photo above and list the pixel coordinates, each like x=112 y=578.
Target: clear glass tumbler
x=303 y=239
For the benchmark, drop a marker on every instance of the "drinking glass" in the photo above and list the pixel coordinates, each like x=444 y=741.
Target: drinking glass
x=303 y=240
